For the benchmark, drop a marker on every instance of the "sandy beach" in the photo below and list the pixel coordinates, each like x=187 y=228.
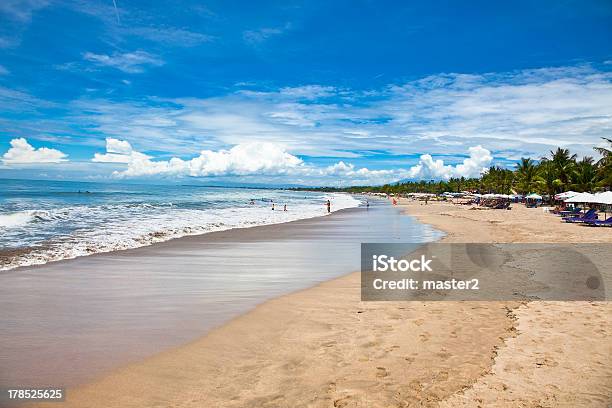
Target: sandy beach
x=323 y=347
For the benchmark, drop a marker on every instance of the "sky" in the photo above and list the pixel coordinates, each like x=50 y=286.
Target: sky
x=297 y=92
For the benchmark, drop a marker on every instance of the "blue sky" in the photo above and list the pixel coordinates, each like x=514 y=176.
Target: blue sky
x=305 y=92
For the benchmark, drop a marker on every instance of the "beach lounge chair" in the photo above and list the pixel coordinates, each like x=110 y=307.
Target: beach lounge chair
x=589 y=215
x=599 y=223
x=570 y=213
x=504 y=205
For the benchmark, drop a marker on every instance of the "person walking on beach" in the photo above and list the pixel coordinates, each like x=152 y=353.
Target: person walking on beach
x=272 y=206
x=328 y=204
x=285 y=207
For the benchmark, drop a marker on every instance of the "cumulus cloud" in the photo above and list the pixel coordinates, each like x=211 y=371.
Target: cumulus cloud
x=243 y=159
x=129 y=62
x=21 y=152
x=480 y=159
x=118 y=151
x=270 y=159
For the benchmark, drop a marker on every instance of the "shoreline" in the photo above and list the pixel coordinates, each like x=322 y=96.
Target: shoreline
x=220 y=235
x=97 y=313
x=7 y=256
x=322 y=346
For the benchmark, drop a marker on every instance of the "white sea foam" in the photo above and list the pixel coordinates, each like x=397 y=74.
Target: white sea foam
x=112 y=227
x=21 y=218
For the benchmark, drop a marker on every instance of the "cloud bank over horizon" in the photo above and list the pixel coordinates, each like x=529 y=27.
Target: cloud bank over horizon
x=269 y=159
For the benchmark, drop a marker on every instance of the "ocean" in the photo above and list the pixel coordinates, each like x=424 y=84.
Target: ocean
x=44 y=221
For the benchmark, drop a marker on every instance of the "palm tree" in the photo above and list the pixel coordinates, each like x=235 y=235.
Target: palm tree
x=605 y=152
x=604 y=165
x=585 y=176
x=526 y=171
x=564 y=163
x=547 y=177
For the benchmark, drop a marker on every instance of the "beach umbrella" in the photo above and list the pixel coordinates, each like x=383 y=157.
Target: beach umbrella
x=582 y=198
x=534 y=196
x=603 y=198
x=565 y=195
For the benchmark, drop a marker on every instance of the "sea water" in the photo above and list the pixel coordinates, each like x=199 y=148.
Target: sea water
x=43 y=221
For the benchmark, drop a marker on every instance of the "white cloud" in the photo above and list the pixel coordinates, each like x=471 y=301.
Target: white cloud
x=118 y=151
x=3 y=71
x=21 y=10
x=21 y=152
x=480 y=159
x=522 y=113
x=263 y=34
x=243 y=159
x=269 y=159
x=308 y=91
x=129 y=62
x=168 y=35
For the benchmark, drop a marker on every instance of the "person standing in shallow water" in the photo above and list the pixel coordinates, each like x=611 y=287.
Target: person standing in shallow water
x=272 y=206
x=328 y=204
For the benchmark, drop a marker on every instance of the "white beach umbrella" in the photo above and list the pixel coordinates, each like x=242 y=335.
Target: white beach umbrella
x=565 y=195
x=603 y=198
x=534 y=196
x=582 y=198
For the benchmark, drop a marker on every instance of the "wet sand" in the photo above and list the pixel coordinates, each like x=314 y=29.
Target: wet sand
x=323 y=347
x=69 y=322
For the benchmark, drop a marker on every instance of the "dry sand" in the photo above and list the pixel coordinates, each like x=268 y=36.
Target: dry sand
x=562 y=352
x=323 y=347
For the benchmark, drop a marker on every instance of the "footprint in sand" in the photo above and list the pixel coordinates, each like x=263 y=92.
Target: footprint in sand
x=342 y=402
x=545 y=362
x=370 y=343
x=381 y=372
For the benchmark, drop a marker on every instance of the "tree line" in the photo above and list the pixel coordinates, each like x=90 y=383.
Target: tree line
x=559 y=171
